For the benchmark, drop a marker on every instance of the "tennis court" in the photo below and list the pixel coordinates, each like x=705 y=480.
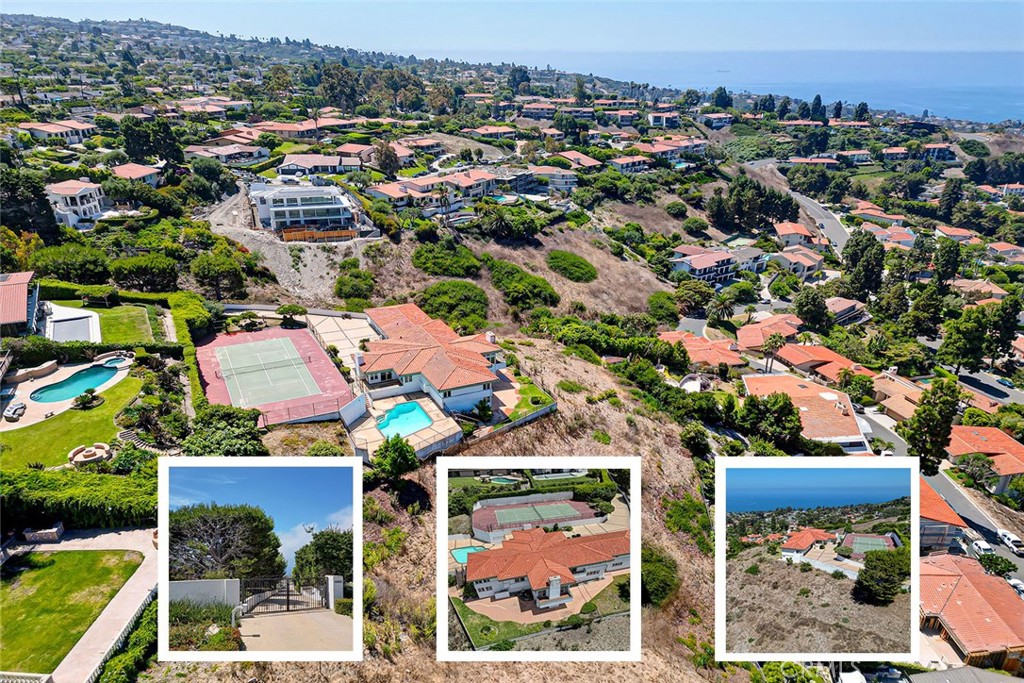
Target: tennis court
x=535 y=513
x=265 y=371
x=862 y=544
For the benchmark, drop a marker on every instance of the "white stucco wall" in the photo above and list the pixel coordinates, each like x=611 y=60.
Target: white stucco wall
x=206 y=591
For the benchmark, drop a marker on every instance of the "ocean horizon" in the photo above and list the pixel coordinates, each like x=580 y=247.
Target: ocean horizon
x=978 y=86
x=749 y=500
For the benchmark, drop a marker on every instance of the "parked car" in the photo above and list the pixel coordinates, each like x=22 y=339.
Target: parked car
x=981 y=548
x=858 y=408
x=1006 y=383
x=887 y=453
x=1018 y=586
x=1011 y=541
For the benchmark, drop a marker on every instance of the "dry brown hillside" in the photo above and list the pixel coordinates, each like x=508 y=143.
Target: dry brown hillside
x=405 y=581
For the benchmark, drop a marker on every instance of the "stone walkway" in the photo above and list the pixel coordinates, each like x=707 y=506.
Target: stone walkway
x=87 y=654
x=313 y=630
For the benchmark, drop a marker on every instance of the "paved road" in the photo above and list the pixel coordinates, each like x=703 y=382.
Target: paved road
x=975 y=518
x=985 y=383
x=881 y=427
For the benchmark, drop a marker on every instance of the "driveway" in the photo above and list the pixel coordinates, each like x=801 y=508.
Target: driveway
x=312 y=630
x=883 y=427
x=975 y=517
x=87 y=654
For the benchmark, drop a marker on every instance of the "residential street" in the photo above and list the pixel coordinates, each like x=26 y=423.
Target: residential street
x=975 y=518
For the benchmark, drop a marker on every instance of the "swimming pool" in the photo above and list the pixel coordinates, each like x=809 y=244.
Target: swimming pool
x=404 y=419
x=69 y=387
x=461 y=554
x=503 y=480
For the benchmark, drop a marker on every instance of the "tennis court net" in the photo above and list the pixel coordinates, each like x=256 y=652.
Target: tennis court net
x=234 y=371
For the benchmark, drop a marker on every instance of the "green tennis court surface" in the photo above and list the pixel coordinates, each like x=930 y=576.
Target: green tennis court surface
x=863 y=545
x=535 y=513
x=264 y=372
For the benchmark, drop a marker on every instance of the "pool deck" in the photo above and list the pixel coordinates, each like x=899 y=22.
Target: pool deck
x=35 y=411
x=366 y=435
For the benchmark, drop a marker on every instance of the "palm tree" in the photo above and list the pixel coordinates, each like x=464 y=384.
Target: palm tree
x=749 y=310
x=497 y=222
x=720 y=308
x=772 y=344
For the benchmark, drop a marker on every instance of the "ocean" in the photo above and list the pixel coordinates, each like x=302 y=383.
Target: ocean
x=979 y=86
x=751 y=500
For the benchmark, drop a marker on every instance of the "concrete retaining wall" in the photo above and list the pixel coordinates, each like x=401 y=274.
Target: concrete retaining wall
x=206 y=591
x=523 y=500
x=32 y=373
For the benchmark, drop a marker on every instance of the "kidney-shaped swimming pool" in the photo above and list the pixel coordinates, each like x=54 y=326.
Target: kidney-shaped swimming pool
x=69 y=387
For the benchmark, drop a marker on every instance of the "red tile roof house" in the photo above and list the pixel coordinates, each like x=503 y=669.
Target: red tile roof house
x=792 y=234
x=76 y=201
x=819 y=361
x=895 y=153
x=976 y=290
x=845 y=310
x=71 y=132
x=19 y=304
x=420 y=354
x=1004 y=250
x=979 y=614
x=305 y=164
x=547 y=564
x=354 y=150
x=826 y=414
x=874 y=213
x=799 y=260
x=493 y=132
x=424 y=145
x=138 y=172
x=1007 y=453
x=752 y=336
x=856 y=156
x=956 y=234
x=940 y=526
x=629 y=165
x=579 y=160
x=703 y=351
x=539 y=110
x=552 y=133
x=802 y=540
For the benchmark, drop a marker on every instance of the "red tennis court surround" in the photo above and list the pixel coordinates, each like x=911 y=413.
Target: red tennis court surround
x=862 y=543
x=334 y=394
x=486 y=518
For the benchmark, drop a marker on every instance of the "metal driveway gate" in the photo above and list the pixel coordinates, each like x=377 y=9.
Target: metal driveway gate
x=265 y=596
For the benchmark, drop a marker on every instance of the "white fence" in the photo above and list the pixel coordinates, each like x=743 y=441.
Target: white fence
x=523 y=500
x=13 y=677
x=830 y=568
x=206 y=591
x=125 y=632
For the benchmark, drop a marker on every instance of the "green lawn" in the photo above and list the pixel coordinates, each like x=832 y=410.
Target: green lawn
x=496 y=631
x=49 y=600
x=527 y=391
x=289 y=148
x=119 y=324
x=269 y=173
x=609 y=601
x=412 y=170
x=460 y=482
x=49 y=441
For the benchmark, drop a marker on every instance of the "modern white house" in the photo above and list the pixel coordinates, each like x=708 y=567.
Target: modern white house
x=417 y=353
x=76 y=202
x=547 y=564
x=559 y=179
x=312 y=206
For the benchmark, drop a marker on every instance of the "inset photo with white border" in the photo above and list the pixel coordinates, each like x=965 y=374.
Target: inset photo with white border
x=816 y=559
x=260 y=559
x=538 y=559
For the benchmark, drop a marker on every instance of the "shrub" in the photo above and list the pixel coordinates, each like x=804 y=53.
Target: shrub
x=571 y=266
x=844 y=551
x=838 y=574
x=588 y=608
x=753 y=569
x=805 y=567
x=658 y=577
x=503 y=645
x=662 y=307
x=324 y=449
x=131 y=658
x=343 y=606
x=447 y=259
x=573 y=620
x=83 y=500
x=520 y=289
x=602 y=437
x=462 y=305
x=804 y=592
x=71 y=261
x=353 y=282
x=570 y=387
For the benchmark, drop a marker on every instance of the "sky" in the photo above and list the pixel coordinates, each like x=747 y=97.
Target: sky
x=506 y=30
x=293 y=496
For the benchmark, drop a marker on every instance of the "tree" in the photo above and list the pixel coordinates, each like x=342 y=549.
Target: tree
x=208 y=169
x=162 y=141
x=721 y=98
x=278 y=81
x=927 y=430
x=289 y=311
x=837 y=110
x=339 y=86
x=861 y=112
x=137 y=141
x=864 y=259
x=220 y=430
x=217 y=271
x=210 y=541
x=329 y=552
x=269 y=140
x=977 y=466
x=952 y=194
x=693 y=295
x=662 y=307
x=517 y=77
x=963 y=345
x=386 y=158
x=892 y=302
x=694 y=438
x=997 y=564
x=580 y=91
x=883 y=575
x=771 y=346
x=785 y=105
x=1002 y=326
x=817 y=108
x=719 y=308
x=946 y=261
x=394 y=458
x=151 y=272
x=772 y=418
x=25 y=205
x=803 y=111
x=809 y=306
x=72 y=262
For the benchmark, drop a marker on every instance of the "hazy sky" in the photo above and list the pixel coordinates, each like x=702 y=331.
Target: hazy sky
x=293 y=496
x=512 y=31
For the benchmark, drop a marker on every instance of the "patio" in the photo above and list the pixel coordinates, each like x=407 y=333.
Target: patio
x=343 y=333
x=35 y=411
x=367 y=437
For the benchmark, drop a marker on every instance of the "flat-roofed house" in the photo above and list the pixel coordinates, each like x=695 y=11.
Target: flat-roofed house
x=539 y=110
x=76 y=202
x=663 y=119
x=547 y=564
x=559 y=179
x=940 y=151
x=940 y=526
x=229 y=155
x=826 y=414
x=975 y=612
x=19 y=304
x=717 y=120
x=552 y=134
x=895 y=153
x=315 y=207
x=856 y=156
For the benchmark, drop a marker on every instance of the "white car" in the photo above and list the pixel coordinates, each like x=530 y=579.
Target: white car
x=1018 y=586
x=1011 y=541
x=981 y=548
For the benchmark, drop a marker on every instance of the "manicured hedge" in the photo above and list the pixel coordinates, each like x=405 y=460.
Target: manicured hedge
x=272 y=162
x=343 y=606
x=125 y=666
x=28 y=352
x=82 y=500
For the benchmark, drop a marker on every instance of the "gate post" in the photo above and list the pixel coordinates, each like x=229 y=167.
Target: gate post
x=288 y=595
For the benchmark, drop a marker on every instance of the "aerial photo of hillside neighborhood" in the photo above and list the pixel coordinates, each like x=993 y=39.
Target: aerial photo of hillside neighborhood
x=398 y=232
x=818 y=560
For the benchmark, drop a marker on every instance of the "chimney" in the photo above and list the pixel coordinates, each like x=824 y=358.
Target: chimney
x=357 y=357
x=554 y=587
x=490 y=337
x=842 y=408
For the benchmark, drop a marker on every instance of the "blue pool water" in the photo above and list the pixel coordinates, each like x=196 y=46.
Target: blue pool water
x=460 y=554
x=503 y=480
x=89 y=378
x=403 y=420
